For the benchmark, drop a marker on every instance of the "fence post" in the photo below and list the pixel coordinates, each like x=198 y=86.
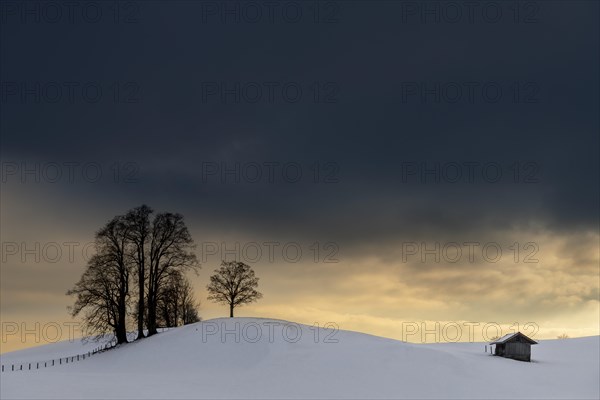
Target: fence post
x=21 y=367
x=13 y=367
x=60 y=361
x=53 y=363
x=30 y=366
x=37 y=366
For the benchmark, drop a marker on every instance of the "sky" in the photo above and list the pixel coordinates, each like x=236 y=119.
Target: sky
x=404 y=169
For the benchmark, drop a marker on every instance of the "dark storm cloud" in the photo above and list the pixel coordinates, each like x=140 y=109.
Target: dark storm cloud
x=167 y=122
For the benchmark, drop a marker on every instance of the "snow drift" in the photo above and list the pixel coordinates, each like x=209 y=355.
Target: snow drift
x=261 y=358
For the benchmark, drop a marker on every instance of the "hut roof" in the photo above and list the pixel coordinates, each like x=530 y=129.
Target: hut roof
x=511 y=336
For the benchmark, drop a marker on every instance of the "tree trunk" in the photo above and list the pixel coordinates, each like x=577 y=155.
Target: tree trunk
x=231 y=310
x=122 y=305
x=167 y=318
x=121 y=334
x=141 y=305
x=152 y=328
x=121 y=328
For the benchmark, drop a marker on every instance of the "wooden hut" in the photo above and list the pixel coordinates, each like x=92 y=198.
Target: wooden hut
x=514 y=345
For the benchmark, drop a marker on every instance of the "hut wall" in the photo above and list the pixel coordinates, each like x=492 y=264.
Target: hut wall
x=518 y=351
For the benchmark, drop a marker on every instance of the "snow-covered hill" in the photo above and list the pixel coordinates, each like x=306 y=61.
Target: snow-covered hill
x=260 y=358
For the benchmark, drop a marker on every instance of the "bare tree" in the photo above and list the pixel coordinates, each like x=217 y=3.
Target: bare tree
x=168 y=299
x=176 y=302
x=234 y=284
x=189 y=306
x=103 y=290
x=139 y=234
x=190 y=313
x=171 y=248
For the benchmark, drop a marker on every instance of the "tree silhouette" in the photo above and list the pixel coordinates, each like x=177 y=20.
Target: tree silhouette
x=234 y=284
x=138 y=220
x=171 y=248
x=176 y=302
x=103 y=290
x=157 y=252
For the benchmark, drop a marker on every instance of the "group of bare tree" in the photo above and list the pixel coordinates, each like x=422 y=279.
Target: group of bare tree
x=138 y=270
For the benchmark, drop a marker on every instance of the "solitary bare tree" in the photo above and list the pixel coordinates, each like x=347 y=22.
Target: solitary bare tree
x=235 y=284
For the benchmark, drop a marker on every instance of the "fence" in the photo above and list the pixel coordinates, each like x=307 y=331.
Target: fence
x=28 y=366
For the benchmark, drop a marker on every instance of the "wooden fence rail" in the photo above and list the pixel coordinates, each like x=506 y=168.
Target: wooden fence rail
x=28 y=366
x=34 y=365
